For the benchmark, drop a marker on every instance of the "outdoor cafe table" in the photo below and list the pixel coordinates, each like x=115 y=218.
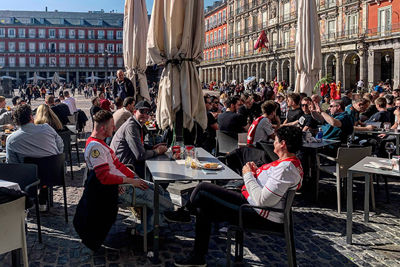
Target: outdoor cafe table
x=9 y=185
x=312 y=150
x=165 y=170
x=368 y=171
x=394 y=132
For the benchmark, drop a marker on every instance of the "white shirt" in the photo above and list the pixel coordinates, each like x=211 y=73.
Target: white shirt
x=71 y=103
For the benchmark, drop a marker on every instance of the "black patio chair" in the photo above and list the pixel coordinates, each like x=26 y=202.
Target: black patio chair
x=287 y=231
x=51 y=173
x=225 y=143
x=66 y=137
x=26 y=176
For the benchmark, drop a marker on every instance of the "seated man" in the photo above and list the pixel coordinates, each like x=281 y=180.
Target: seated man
x=32 y=140
x=128 y=141
x=265 y=186
x=358 y=106
x=294 y=113
x=382 y=115
x=123 y=114
x=70 y=102
x=230 y=122
x=61 y=109
x=98 y=207
x=262 y=130
x=338 y=125
x=105 y=103
x=306 y=121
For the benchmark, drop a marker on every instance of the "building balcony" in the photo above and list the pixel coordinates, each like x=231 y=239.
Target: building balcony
x=213 y=61
x=383 y=32
x=288 y=17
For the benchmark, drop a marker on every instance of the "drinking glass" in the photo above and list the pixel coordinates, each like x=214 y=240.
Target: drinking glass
x=390 y=148
x=386 y=126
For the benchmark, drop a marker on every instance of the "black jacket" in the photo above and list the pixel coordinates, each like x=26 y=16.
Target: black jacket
x=96 y=211
x=62 y=112
x=129 y=89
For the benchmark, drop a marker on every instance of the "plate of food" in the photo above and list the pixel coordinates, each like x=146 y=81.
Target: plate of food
x=211 y=166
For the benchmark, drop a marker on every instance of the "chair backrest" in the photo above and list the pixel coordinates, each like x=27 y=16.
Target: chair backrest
x=288 y=206
x=242 y=139
x=12 y=225
x=225 y=143
x=50 y=169
x=25 y=175
x=347 y=157
x=66 y=137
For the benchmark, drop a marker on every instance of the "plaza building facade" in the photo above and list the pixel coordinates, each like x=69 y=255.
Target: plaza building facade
x=359 y=40
x=215 y=45
x=70 y=43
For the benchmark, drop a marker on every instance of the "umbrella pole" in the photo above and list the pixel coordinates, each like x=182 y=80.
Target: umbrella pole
x=179 y=127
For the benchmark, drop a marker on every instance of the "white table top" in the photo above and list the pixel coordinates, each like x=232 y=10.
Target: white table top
x=379 y=131
x=164 y=169
x=9 y=185
x=359 y=166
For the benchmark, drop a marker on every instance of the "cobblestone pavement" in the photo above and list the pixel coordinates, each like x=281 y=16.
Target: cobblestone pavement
x=319 y=233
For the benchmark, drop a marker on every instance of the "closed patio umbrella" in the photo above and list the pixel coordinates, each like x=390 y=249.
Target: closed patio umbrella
x=56 y=78
x=308 y=47
x=176 y=40
x=134 y=44
x=35 y=78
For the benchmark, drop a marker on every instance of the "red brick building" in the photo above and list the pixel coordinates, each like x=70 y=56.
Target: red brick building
x=70 y=43
x=215 y=45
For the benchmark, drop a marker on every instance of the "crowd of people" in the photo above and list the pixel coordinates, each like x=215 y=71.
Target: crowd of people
x=116 y=151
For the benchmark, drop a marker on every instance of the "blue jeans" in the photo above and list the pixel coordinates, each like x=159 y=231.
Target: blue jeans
x=134 y=196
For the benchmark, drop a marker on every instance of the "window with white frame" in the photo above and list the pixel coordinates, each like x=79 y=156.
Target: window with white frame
x=63 y=61
x=238 y=28
x=119 y=35
x=52 y=33
x=219 y=35
x=120 y=62
x=72 y=61
x=82 y=62
x=11 y=61
x=352 y=24
x=219 y=18
x=21 y=46
x=32 y=61
x=264 y=19
x=119 y=48
x=238 y=49
x=91 y=62
x=91 y=34
x=2 y=46
x=52 y=47
x=52 y=61
x=71 y=34
x=31 y=32
x=206 y=43
x=42 y=33
x=331 y=3
x=110 y=48
x=100 y=48
x=219 y=53
x=223 y=15
x=110 y=62
x=42 y=47
x=21 y=33
x=231 y=51
x=223 y=52
x=2 y=61
x=110 y=35
x=224 y=34
x=81 y=47
x=286 y=11
x=81 y=34
x=384 y=20
x=22 y=61
x=61 y=33
x=2 y=32
x=11 y=33
x=91 y=47
x=100 y=61
x=100 y=34
x=246 y=47
x=331 y=28
x=286 y=39
x=61 y=47
x=71 y=47
x=11 y=47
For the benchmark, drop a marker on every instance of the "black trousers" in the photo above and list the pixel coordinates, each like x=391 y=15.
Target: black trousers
x=214 y=203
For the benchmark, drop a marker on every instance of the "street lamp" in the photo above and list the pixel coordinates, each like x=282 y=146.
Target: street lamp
x=105 y=54
x=355 y=60
x=387 y=58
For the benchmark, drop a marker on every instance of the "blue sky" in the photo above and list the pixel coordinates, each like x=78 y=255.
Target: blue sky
x=72 y=5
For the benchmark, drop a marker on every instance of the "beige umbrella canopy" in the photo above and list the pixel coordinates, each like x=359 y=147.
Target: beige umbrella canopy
x=308 y=47
x=134 y=44
x=176 y=40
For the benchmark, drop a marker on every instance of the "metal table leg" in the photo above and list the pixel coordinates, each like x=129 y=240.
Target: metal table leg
x=156 y=259
x=366 y=197
x=397 y=144
x=349 y=226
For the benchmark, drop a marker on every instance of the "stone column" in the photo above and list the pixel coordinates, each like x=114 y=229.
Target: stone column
x=371 y=69
x=267 y=72
x=77 y=78
x=396 y=65
x=67 y=78
x=363 y=66
x=339 y=67
x=17 y=75
x=27 y=75
x=257 y=71
x=240 y=74
x=292 y=73
x=47 y=74
x=278 y=71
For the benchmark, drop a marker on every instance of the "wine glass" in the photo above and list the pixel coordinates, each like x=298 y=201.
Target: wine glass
x=390 y=148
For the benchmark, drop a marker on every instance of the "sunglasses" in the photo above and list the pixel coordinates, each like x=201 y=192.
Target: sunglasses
x=332 y=106
x=144 y=111
x=397 y=106
x=304 y=105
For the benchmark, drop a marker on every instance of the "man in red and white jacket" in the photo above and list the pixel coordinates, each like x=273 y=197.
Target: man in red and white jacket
x=264 y=186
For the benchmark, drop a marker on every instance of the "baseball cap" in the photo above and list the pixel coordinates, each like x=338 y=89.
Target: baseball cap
x=142 y=105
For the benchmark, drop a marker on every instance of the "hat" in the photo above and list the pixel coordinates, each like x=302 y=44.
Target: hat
x=142 y=105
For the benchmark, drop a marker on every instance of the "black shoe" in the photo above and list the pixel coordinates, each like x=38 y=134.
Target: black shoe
x=181 y=215
x=192 y=260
